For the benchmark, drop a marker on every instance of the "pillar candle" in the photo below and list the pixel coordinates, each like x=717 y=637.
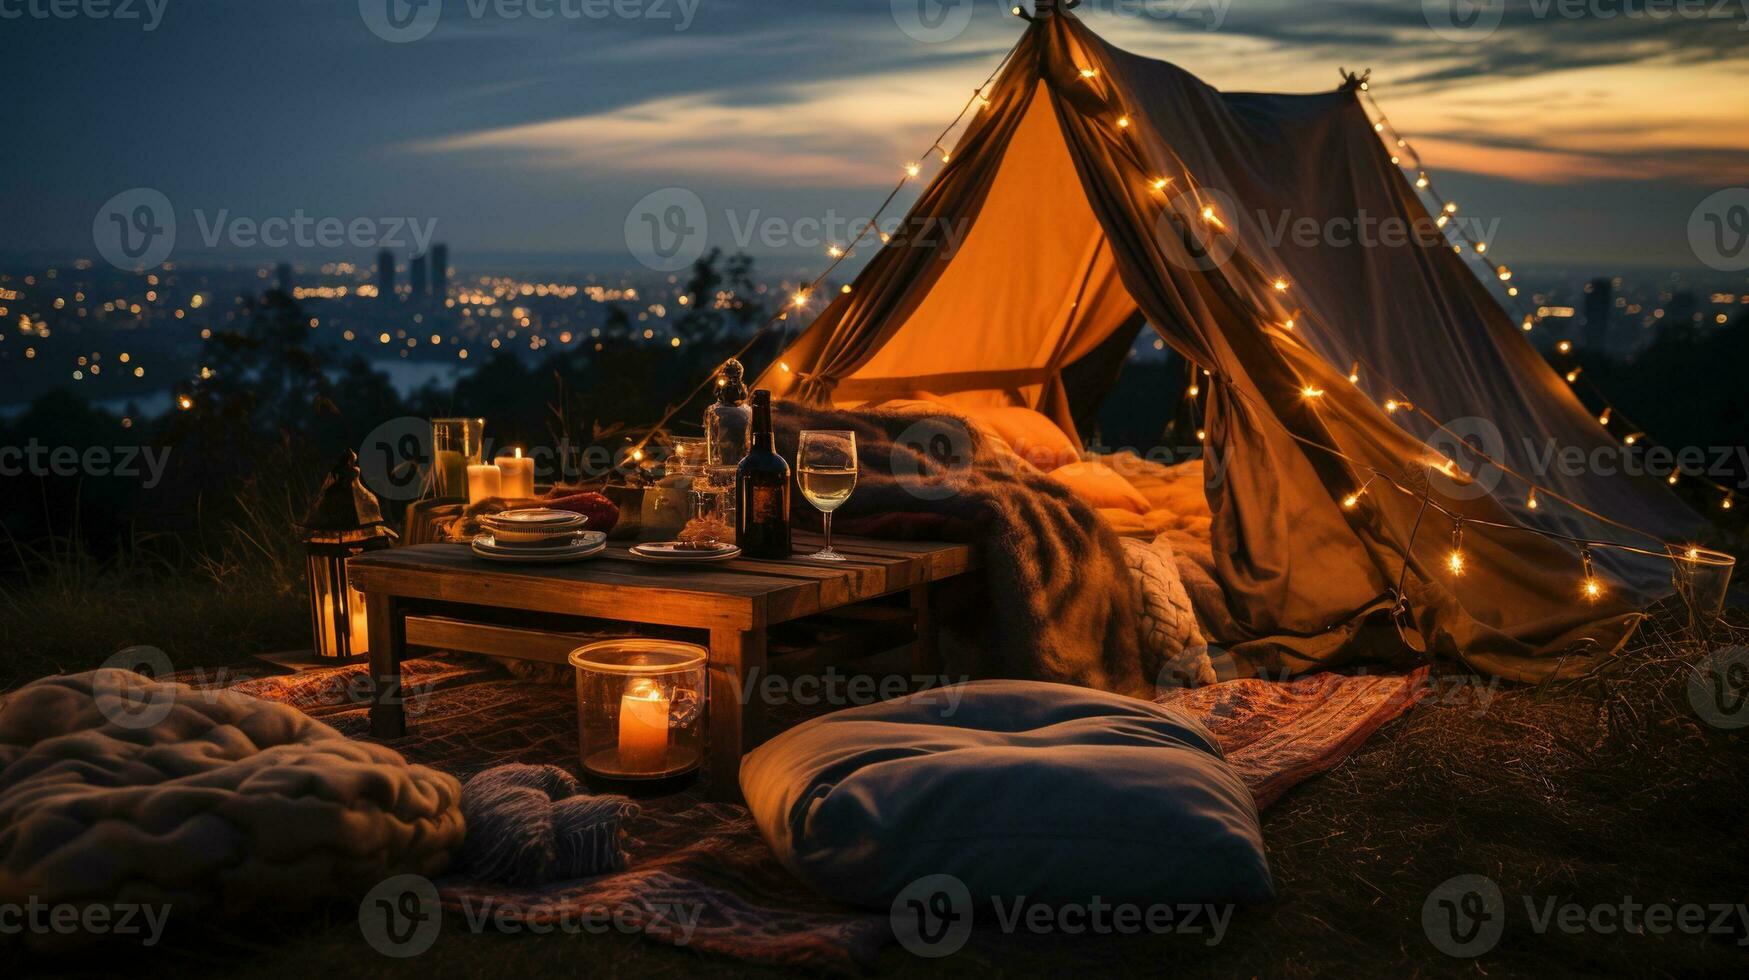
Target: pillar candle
x=643 y=729
x=518 y=476
x=483 y=481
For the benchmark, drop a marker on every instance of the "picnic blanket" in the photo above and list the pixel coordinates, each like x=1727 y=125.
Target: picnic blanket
x=698 y=873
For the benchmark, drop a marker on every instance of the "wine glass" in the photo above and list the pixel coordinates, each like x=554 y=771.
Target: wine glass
x=826 y=466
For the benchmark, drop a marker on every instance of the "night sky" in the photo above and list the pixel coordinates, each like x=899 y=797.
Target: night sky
x=1591 y=139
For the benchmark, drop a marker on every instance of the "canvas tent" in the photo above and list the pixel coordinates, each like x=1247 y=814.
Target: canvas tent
x=1049 y=229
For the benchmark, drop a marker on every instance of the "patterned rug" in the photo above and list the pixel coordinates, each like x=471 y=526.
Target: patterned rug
x=699 y=874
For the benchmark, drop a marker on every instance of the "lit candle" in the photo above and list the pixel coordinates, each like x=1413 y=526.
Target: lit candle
x=643 y=728
x=518 y=475
x=484 y=481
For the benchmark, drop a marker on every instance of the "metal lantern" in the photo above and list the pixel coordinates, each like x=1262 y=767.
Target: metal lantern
x=344 y=521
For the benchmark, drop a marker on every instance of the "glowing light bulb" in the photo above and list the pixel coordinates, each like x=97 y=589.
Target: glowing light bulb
x=1573 y=375
x=1593 y=589
x=800 y=298
x=1395 y=159
x=1564 y=346
x=1726 y=503
x=1529 y=324
x=1195 y=390
x=834 y=251
x=1089 y=72
x=1481 y=248
x=1671 y=480
x=912 y=169
x=1378 y=127
x=1391 y=405
x=1631 y=438
x=1421 y=181
x=1440 y=221
x=1451 y=207
x=184 y=402
x=1455 y=562
x=1530 y=501
x=1351 y=501
x=784 y=365
x=1280 y=285
x=1354 y=373
x=1503 y=272
x=1603 y=419
x=1201 y=435
x=1288 y=324
x=1123 y=122
x=638 y=455
x=1161 y=182
x=1310 y=392
x=946 y=155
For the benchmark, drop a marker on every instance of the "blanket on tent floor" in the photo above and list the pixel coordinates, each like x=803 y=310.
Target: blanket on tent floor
x=470 y=714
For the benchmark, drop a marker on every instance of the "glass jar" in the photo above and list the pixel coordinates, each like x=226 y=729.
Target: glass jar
x=456 y=444
x=640 y=709
x=713 y=500
x=1701 y=577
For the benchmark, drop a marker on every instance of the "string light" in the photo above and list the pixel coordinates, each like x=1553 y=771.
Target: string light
x=1161 y=182
x=1421 y=181
x=1530 y=501
x=1123 y=122
x=1603 y=418
x=800 y=298
x=1632 y=437
x=834 y=251
x=1194 y=390
x=1481 y=248
x=1208 y=215
x=1503 y=272
x=1726 y=503
x=1454 y=562
x=1589 y=586
x=1310 y=392
x=1565 y=346
x=1529 y=324
x=912 y=169
x=1354 y=373
x=1573 y=375
x=1353 y=500
x=1089 y=73
x=1280 y=285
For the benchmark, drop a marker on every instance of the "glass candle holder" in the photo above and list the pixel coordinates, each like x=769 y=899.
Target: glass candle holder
x=640 y=708
x=1701 y=577
x=456 y=444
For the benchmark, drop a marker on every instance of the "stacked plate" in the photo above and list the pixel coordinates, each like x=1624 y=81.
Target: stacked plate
x=537 y=534
x=675 y=551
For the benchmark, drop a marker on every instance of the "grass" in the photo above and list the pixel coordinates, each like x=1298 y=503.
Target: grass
x=1592 y=792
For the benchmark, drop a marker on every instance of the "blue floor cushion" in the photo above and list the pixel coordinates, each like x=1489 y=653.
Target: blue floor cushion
x=1016 y=788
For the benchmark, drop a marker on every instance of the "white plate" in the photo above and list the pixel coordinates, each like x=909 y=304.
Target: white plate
x=532 y=517
x=591 y=546
x=670 y=551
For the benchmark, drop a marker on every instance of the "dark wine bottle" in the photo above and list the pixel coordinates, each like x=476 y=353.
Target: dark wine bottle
x=762 y=490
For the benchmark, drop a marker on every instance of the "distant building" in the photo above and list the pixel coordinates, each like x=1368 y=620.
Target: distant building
x=416 y=277
x=1599 y=308
x=283 y=275
x=385 y=275
x=439 y=274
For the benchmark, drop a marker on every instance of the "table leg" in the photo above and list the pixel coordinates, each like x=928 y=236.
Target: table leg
x=736 y=716
x=925 y=654
x=388 y=640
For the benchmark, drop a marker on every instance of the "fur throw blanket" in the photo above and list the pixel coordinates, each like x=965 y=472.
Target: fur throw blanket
x=1053 y=597
x=119 y=789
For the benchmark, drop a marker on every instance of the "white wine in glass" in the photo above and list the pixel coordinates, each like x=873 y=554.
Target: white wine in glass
x=826 y=469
